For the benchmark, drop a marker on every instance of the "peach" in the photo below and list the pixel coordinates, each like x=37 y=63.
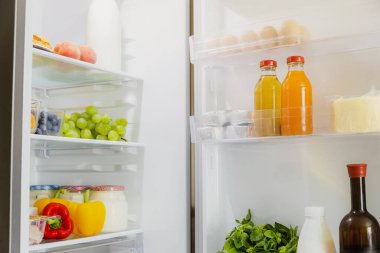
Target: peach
x=68 y=49
x=87 y=54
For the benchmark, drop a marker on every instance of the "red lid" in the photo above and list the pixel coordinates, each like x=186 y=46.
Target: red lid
x=357 y=170
x=268 y=63
x=295 y=59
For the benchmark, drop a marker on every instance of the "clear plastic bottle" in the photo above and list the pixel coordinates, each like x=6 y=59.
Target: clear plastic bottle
x=315 y=235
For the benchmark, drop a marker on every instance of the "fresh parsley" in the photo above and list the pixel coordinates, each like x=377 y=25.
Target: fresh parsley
x=247 y=237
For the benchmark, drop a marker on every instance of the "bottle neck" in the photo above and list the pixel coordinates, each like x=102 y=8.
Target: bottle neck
x=358 y=198
x=295 y=66
x=268 y=71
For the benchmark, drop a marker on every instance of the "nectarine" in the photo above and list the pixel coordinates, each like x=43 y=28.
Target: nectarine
x=68 y=49
x=87 y=54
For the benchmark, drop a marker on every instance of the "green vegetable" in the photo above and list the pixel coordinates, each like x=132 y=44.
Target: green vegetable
x=247 y=237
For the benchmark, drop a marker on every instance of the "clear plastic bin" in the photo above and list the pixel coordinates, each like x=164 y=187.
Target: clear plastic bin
x=34 y=116
x=50 y=122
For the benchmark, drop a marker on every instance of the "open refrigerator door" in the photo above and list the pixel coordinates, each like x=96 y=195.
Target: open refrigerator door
x=237 y=168
x=89 y=137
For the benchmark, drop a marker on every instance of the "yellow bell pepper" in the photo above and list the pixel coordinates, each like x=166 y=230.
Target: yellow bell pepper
x=42 y=203
x=88 y=217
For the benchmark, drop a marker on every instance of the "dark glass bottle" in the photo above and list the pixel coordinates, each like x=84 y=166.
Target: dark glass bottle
x=359 y=231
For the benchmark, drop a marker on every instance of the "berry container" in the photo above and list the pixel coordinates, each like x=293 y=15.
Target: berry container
x=50 y=122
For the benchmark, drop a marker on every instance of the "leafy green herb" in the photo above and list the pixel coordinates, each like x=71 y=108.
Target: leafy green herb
x=247 y=237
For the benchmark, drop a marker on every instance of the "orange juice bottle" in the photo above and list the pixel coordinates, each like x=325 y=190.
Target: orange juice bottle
x=296 y=105
x=267 y=101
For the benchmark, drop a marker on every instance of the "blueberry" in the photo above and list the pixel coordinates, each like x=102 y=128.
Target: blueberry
x=55 y=129
x=43 y=114
x=43 y=128
x=49 y=125
x=38 y=131
x=52 y=116
x=54 y=121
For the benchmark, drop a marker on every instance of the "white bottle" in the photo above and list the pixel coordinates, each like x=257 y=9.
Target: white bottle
x=104 y=33
x=315 y=236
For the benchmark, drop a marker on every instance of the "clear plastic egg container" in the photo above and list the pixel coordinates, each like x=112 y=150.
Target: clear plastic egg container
x=251 y=38
x=50 y=122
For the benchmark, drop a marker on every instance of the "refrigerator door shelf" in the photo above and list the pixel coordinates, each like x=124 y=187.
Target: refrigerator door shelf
x=82 y=243
x=51 y=71
x=241 y=54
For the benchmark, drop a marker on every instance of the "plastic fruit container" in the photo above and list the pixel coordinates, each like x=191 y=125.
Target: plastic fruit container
x=37 y=228
x=34 y=116
x=50 y=122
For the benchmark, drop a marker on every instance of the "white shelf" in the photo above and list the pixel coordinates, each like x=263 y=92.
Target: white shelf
x=64 y=143
x=93 y=240
x=237 y=56
x=52 y=71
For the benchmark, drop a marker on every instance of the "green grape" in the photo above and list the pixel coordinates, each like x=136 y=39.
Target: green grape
x=113 y=136
x=81 y=123
x=91 y=110
x=90 y=125
x=120 y=130
x=86 y=134
x=101 y=137
x=71 y=124
x=75 y=116
x=67 y=117
x=102 y=128
x=96 y=118
x=65 y=127
x=113 y=125
x=85 y=115
x=106 y=118
x=72 y=134
x=122 y=121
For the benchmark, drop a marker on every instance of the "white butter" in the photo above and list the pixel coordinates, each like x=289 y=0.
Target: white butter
x=360 y=114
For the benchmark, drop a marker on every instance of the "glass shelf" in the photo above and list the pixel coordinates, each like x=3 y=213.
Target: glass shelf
x=44 y=142
x=85 y=242
x=52 y=71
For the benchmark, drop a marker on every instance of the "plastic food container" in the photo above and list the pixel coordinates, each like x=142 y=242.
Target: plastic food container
x=34 y=116
x=50 y=122
x=37 y=228
x=114 y=198
x=41 y=192
x=74 y=193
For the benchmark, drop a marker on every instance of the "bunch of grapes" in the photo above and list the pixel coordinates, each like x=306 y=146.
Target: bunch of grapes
x=92 y=125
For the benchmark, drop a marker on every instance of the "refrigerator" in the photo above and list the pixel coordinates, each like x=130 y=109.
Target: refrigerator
x=150 y=90
x=276 y=177
x=187 y=178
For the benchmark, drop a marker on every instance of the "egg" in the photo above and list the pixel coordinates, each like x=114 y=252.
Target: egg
x=306 y=35
x=290 y=32
x=211 y=43
x=269 y=36
x=229 y=41
x=250 y=39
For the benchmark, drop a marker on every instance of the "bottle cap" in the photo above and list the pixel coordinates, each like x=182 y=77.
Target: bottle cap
x=268 y=63
x=357 y=170
x=296 y=58
x=314 y=211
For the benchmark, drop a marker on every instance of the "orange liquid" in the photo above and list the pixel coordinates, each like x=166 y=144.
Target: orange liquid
x=296 y=104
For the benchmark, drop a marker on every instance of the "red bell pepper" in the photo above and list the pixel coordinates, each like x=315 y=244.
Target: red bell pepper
x=58 y=228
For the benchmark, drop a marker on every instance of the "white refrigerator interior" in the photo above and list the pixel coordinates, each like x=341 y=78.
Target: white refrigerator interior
x=276 y=177
x=151 y=91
